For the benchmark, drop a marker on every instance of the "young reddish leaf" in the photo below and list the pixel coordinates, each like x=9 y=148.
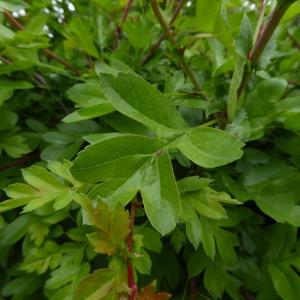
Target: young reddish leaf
x=149 y=293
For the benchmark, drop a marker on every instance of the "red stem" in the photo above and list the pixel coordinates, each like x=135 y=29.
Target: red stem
x=20 y=161
x=123 y=19
x=264 y=36
x=131 y=283
x=193 y=288
x=266 y=33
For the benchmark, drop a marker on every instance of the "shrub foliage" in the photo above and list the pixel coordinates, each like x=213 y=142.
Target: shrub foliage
x=149 y=149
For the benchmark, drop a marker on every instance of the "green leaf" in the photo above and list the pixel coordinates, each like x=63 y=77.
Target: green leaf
x=14 y=145
x=192 y=184
x=210 y=147
x=160 y=194
x=206 y=14
x=137 y=32
x=40 y=259
x=42 y=187
x=226 y=241
x=279 y=208
x=207 y=207
x=15 y=230
x=193 y=229
x=102 y=284
x=104 y=160
x=151 y=239
x=244 y=40
x=208 y=238
x=90 y=99
x=8 y=87
x=81 y=34
x=214 y=278
x=262 y=100
x=89 y=112
x=281 y=283
x=134 y=97
x=142 y=170
x=95 y=286
x=239 y=66
x=22 y=287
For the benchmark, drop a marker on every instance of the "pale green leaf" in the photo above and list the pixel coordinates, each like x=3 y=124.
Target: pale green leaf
x=136 y=98
x=160 y=194
x=210 y=147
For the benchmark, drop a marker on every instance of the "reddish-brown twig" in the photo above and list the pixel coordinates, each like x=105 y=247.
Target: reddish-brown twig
x=5 y=60
x=37 y=78
x=123 y=19
x=155 y=46
x=180 y=54
x=129 y=242
x=265 y=33
x=21 y=161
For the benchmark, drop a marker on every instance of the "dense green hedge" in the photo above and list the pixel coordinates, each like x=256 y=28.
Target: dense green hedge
x=149 y=149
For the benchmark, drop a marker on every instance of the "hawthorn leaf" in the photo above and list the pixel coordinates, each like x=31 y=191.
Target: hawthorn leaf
x=96 y=286
x=42 y=187
x=263 y=99
x=90 y=101
x=281 y=283
x=104 y=160
x=226 y=241
x=14 y=231
x=112 y=225
x=210 y=147
x=149 y=293
x=89 y=112
x=206 y=14
x=192 y=183
x=193 y=227
x=214 y=278
x=136 y=98
x=208 y=238
x=160 y=194
x=151 y=239
x=279 y=207
x=82 y=35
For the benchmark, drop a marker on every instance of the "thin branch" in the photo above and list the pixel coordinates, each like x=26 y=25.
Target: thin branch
x=264 y=34
x=131 y=283
x=155 y=46
x=179 y=52
x=37 y=78
x=123 y=19
x=13 y=21
x=5 y=60
x=21 y=161
x=54 y=56
x=193 y=289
